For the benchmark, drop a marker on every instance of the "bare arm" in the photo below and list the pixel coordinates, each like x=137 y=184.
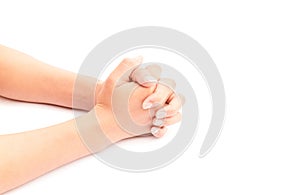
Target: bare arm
x=27 y=155
x=24 y=78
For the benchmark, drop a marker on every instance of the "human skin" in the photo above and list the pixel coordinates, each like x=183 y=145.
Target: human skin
x=25 y=78
x=27 y=155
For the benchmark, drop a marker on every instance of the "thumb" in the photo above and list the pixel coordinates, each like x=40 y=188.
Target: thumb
x=146 y=77
x=126 y=65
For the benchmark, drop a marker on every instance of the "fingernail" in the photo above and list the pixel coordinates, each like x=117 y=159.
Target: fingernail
x=161 y=113
x=158 y=122
x=154 y=130
x=149 y=78
x=147 y=105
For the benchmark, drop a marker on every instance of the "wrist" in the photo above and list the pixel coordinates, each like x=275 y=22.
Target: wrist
x=85 y=92
x=93 y=132
x=108 y=124
x=97 y=91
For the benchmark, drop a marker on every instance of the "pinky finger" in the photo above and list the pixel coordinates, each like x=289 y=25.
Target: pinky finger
x=158 y=131
x=173 y=119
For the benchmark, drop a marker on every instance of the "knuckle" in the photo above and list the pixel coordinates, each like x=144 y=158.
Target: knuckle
x=110 y=81
x=172 y=110
x=179 y=116
x=127 y=61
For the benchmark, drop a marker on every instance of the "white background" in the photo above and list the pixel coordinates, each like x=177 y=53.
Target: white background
x=255 y=45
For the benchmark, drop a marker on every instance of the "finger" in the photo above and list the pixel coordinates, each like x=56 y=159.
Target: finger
x=182 y=98
x=158 y=98
x=143 y=77
x=158 y=131
x=161 y=94
x=160 y=122
x=146 y=76
x=126 y=65
x=173 y=119
x=155 y=70
x=168 y=83
x=175 y=103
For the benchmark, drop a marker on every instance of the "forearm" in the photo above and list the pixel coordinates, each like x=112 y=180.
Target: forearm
x=24 y=78
x=25 y=156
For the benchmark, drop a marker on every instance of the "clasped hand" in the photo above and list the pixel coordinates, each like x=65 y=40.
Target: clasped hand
x=136 y=101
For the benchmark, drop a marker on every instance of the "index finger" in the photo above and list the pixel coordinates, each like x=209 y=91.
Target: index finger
x=147 y=76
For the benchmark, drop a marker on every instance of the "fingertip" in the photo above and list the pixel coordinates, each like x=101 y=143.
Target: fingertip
x=161 y=113
x=159 y=122
x=154 y=130
x=147 y=105
x=148 y=102
x=158 y=132
x=143 y=77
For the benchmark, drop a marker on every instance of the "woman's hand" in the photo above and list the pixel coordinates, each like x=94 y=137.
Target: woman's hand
x=120 y=105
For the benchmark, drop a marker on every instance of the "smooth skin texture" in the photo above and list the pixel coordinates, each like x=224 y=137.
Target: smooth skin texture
x=27 y=155
x=24 y=78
